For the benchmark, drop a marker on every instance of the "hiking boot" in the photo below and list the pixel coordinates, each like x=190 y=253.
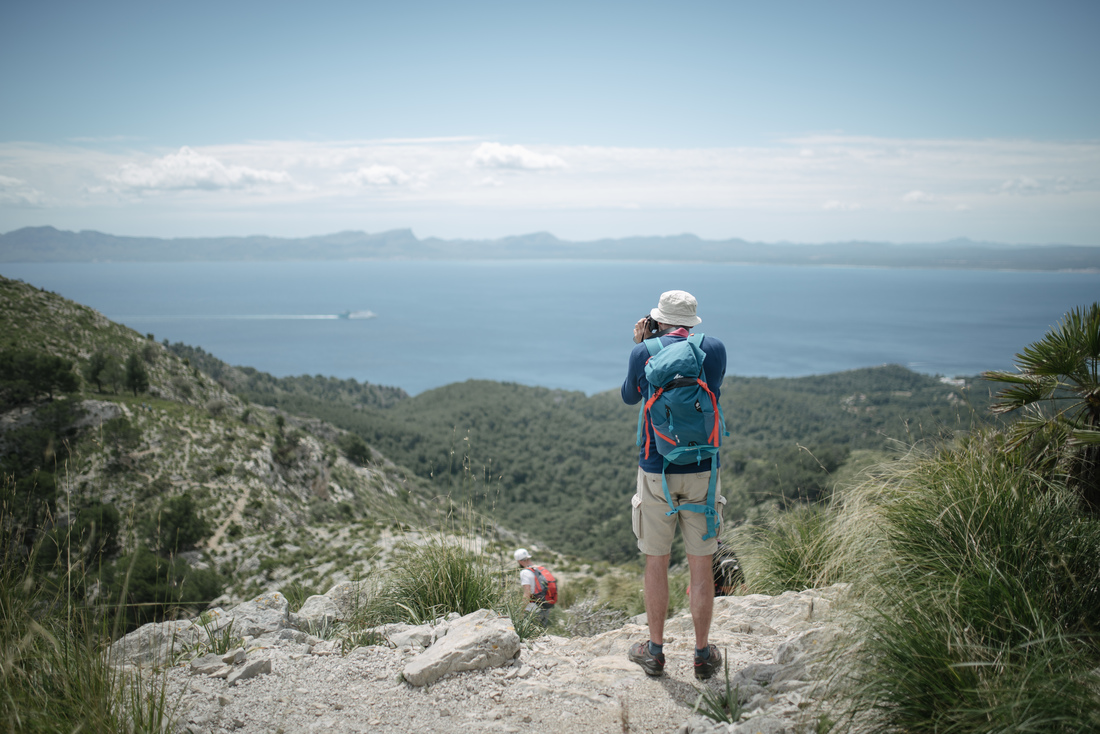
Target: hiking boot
x=706 y=668
x=652 y=664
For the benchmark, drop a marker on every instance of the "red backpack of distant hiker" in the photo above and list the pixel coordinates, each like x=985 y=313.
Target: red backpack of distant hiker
x=546 y=586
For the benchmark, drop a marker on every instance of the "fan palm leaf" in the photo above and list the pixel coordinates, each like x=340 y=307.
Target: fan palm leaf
x=1057 y=385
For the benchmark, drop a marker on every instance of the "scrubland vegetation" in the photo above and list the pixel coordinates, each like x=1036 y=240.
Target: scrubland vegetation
x=975 y=566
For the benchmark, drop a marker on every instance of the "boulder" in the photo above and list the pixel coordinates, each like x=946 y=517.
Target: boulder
x=266 y=613
x=479 y=640
x=155 y=643
x=317 y=613
x=347 y=597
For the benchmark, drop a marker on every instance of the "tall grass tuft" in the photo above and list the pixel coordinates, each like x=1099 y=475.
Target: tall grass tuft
x=432 y=580
x=793 y=550
x=722 y=705
x=54 y=676
x=981 y=597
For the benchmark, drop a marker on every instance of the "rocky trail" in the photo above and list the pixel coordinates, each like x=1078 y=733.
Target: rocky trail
x=472 y=674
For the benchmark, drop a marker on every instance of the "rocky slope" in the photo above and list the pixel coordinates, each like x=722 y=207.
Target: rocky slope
x=281 y=501
x=474 y=674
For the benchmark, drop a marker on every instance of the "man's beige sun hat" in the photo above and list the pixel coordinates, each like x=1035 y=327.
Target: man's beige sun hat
x=677 y=308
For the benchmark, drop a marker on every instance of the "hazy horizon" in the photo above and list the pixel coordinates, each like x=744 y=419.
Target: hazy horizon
x=533 y=233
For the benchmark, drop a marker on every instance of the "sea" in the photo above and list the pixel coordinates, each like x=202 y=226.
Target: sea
x=419 y=325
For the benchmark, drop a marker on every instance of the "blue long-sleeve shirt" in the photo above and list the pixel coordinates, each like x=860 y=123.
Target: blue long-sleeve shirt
x=636 y=389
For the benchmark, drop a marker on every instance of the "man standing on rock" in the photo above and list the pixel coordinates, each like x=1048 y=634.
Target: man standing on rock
x=671 y=494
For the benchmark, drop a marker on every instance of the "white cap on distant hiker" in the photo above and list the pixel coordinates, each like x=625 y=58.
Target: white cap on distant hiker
x=521 y=554
x=676 y=308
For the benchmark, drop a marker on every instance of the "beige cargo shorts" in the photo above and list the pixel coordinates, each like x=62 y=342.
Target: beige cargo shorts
x=654 y=529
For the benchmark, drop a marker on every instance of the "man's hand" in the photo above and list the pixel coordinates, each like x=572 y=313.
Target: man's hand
x=639 y=330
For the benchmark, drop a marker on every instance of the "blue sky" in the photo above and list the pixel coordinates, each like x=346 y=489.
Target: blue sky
x=797 y=121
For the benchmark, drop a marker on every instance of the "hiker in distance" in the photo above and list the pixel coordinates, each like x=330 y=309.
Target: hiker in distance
x=677 y=376
x=540 y=588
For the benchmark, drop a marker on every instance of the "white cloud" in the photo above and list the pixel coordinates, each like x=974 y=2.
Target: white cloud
x=515 y=157
x=1030 y=185
x=189 y=169
x=376 y=176
x=16 y=192
x=903 y=190
x=1022 y=185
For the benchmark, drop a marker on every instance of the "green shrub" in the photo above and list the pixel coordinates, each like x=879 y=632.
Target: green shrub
x=95 y=531
x=25 y=374
x=625 y=593
x=981 y=602
x=148 y=588
x=137 y=377
x=793 y=550
x=178 y=526
x=355 y=448
x=182 y=386
x=120 y=433
x=431 y=580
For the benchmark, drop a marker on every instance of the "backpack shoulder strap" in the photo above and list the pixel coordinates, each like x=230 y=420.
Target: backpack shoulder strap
x=654 y=345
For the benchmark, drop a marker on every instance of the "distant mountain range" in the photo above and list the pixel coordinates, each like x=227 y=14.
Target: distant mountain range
x=47 y=244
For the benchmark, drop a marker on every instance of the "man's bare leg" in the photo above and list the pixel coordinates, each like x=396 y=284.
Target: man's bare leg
x=656 y=597
x=702 y=597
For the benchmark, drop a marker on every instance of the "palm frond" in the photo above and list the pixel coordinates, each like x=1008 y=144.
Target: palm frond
x=1084 y=437
x=1024 y=390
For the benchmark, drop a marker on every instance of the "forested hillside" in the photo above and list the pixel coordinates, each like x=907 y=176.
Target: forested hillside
x=168 y=483
x=561 y=466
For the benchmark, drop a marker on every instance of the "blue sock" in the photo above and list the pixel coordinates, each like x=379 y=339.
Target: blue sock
x=656 y=650
x=703 y=654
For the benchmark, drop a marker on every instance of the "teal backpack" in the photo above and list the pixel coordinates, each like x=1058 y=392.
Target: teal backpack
x=684 y=413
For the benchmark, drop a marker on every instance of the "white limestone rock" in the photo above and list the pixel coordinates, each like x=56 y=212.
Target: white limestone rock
x=206 y=665
x=812 y=644
x=250 y=670
x=346 y=596
x=234 y=656
x=155 y=643
x=266 y=613
x=479 y=640
x=317 y=613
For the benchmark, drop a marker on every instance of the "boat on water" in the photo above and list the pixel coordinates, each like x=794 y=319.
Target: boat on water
x=358 y=315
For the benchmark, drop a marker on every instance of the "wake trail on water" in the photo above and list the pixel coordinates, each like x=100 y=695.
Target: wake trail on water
x=237 y=317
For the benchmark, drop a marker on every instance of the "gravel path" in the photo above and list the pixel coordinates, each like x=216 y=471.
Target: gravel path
x=578 y=685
